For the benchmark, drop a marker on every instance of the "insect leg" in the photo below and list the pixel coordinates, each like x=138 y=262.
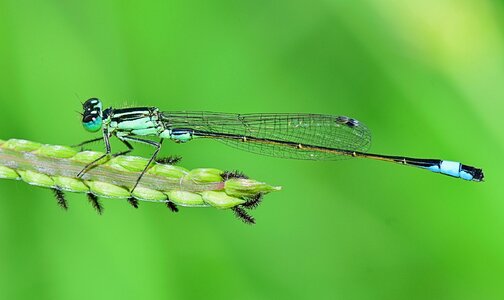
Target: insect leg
x=157 y=145
x=106 y=137
x=87 y=142
x=130 y=147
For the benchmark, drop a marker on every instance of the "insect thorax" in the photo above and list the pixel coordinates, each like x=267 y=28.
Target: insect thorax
x=141 y=121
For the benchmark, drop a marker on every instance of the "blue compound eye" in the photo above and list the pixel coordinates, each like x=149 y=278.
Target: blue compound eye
x=92 y=123
x=92 y=115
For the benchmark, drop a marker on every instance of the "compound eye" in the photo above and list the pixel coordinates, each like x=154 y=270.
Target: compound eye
x=91 y=103
x=92 y=120
x=92 y=123
x=88 y=118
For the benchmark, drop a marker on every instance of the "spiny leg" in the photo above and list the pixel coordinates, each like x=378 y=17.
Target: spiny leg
x=130 y=147
x=107 y=144
x=93 y=199
x=60 y=197
x=87 y=142
x=91 y=165
x=107 y=153
x=152 y=143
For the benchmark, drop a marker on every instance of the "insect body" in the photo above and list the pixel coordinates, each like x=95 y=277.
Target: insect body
x=294 y=136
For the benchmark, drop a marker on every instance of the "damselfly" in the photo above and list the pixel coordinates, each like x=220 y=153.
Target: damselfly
x=294 y=136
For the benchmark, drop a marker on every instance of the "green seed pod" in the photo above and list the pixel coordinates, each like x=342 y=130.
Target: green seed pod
x=55 y=151
x=204 y=175
x=239 y=187
x=36 y=178
x=70 y=184
x=220 y=199
x=86 y=157
x=130 y=163
x=8 y=173
x=20 y=145
x=185 y=198
x=168 y=171
x=148 y=194
x=107 y=190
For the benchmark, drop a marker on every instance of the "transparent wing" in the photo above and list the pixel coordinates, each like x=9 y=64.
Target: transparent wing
x=255 y=132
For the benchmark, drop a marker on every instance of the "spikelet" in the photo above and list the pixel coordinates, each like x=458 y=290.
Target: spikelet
x=56 y=167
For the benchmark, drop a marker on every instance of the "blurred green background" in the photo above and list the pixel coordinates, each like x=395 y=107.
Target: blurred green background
x=425 y=76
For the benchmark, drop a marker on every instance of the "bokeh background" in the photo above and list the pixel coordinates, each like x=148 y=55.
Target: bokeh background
x=425 y=75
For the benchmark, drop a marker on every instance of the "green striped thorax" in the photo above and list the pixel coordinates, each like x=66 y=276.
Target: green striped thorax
x=139 y=121
x=124 y=122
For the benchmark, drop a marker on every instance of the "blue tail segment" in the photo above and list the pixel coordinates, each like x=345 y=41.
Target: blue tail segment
x=456 y=169
x=445 y=167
